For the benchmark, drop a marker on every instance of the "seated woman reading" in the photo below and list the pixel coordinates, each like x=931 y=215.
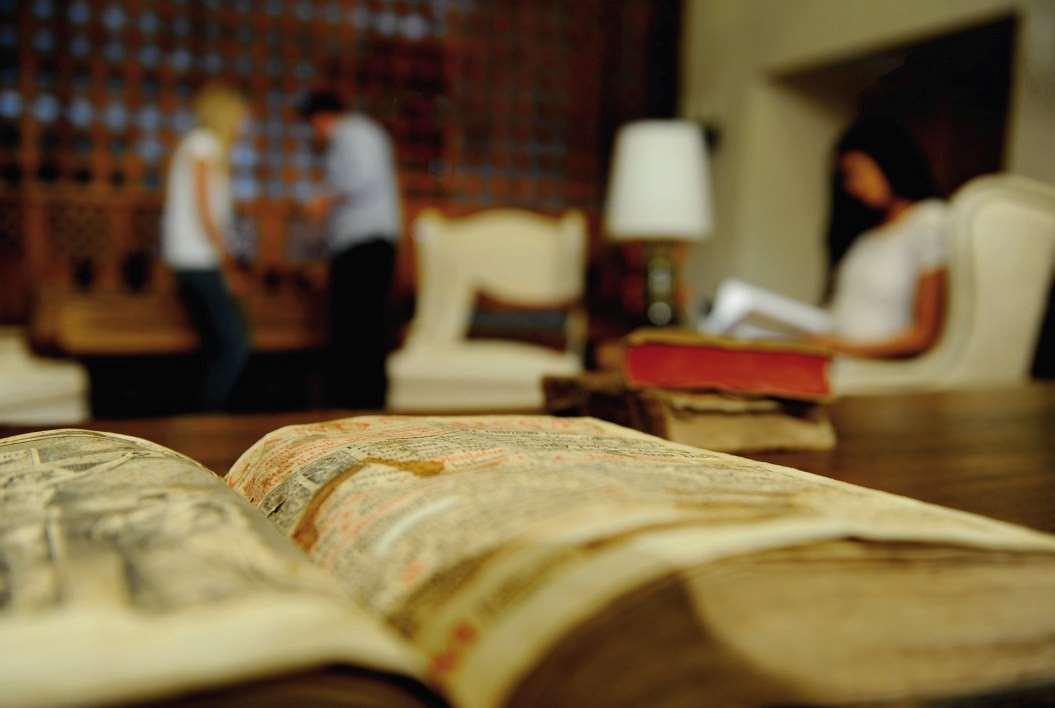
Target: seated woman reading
x=889 y=282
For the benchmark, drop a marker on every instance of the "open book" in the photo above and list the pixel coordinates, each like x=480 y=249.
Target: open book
x=520 y=560
x=747 y=311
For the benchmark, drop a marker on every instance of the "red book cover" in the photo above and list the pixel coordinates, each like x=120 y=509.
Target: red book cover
x=685 y=360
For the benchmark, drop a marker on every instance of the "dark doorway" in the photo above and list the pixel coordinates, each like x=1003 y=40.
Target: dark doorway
x=952 y=93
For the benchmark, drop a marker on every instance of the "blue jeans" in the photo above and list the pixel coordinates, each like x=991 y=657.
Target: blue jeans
x=221 y=328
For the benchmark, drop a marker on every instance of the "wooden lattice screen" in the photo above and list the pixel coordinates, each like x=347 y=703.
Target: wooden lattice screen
x=490 y=102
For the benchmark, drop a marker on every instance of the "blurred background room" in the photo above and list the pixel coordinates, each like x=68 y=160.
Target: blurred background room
x=503 y=119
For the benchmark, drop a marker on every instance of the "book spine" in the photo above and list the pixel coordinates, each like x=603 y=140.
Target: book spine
x=793 y=374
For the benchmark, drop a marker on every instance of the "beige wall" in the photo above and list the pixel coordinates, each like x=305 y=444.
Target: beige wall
x=769 y=171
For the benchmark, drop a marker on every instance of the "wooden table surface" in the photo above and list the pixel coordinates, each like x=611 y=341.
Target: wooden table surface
x=990 y=452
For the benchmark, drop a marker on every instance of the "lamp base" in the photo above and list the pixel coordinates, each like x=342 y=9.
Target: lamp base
x=661 y=307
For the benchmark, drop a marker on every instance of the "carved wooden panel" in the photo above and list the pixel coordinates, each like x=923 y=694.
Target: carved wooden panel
x=490 y=102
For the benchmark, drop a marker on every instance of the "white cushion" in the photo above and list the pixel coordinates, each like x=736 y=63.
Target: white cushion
x=474 y=375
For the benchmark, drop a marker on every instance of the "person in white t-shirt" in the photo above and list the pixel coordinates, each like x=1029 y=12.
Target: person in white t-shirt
x=889 y=277
x=196 y=221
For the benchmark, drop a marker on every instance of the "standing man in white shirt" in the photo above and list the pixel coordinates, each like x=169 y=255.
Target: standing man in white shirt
x=361 y=206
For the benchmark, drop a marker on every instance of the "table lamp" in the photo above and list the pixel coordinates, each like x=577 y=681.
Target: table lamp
x=659 y=194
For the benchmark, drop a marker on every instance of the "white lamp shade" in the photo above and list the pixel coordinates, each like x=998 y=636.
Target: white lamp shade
x=660 y=183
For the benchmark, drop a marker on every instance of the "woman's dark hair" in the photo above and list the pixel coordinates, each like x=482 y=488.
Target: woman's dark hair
x=903 y=163
x=899 y=156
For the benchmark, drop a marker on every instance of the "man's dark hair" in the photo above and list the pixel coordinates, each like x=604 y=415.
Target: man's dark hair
x=317 y=102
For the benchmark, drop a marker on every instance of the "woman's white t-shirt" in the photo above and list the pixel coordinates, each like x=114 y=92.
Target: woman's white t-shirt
x=184 y=243
x=875 y=286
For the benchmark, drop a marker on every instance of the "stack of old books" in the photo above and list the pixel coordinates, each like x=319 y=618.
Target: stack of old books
x=711 y=392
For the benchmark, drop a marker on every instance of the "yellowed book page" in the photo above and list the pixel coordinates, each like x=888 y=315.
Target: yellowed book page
x=484 y=539
x=780 y=428
x=128 y=572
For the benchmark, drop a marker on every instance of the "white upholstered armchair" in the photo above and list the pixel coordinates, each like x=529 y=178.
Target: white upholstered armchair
x=514 y=256
x=1000 y=266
